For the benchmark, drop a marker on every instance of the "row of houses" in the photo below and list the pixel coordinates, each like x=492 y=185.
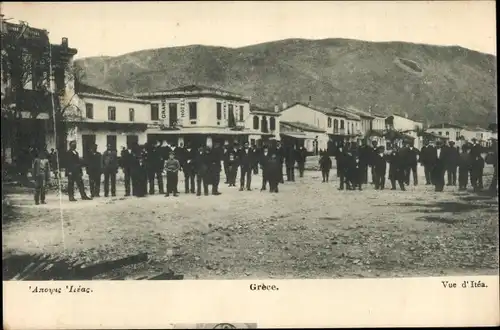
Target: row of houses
x=199 y=115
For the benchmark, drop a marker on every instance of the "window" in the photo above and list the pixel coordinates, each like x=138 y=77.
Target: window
x=155 y=111
x=335 y=125
x=440 y=133
x=263 y=125
x=111 y=113
x=447 y=133
x=193 y=111
x=111 y=140
x=272 y=123
x=89 y=110
x=242 y=117
x=219 y=111
x=255 y=122
x=329 y=122
x=231 y=119
x=341 y=124
x=131 y=114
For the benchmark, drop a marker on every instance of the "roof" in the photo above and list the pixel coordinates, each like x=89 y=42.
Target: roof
x=302 y=126
x=326 y=111
x=416 y=121
x=85 y=90
x=445 y=125
x=260 y=111
x=361 y=113
x=349 y=114
x=194 y=90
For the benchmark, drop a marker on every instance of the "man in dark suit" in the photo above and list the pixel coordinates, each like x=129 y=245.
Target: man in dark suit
x=110 y=168
x=410 y=156
x=439 y=167
x=365 y=157
x=255 y=164
x=373 y=152
x=232 y=162
x=186 y=158
x=225 y=162
x=301 y=160
x=452 y=159
x=379 y=166
x=201 y=166
x=427 y=157
x=355 y=169
x=216 y=155
x=343 y=158
x=74 y=173
x=94 y=170
x=246 y=159
x=154 y=165
x=127 y=163
x=290 y=158
x=264 y=161
x=396 y=169
x=280 y=153
x=477 y=167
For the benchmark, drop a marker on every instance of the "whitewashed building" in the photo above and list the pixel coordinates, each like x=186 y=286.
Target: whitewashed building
x=107 y=118
x=400 y=123
x=200 y=115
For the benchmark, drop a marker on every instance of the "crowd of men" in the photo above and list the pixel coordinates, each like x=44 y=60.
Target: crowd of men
x=144 y=167
x=438 y=161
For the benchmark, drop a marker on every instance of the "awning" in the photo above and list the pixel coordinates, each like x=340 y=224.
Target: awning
x=295 y=135
x=200 y=130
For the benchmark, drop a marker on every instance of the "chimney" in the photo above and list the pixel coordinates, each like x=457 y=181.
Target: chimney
x=276 y=108
x=285 y=105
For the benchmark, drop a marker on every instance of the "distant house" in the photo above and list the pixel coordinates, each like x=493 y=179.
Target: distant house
x=300 y=134
x=366 y=120
x=450 y=131
x=265 y=124
x=400 y=123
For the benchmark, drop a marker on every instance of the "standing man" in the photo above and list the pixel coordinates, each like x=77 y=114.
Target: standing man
x=201 y=165
x=232 y=165
x=439 y=167
x=290 y=162
x=255 y=164
x=74 y=173
x=373 y=153
x=365 y=157
x=464 y=166
x=410 y=155
x=94 y=170
x=396 y=169
x=280 y=153
x=325 y=164
x=127 y=163
x=226 y=162
x=301 y=160
x=273 y=172
x=154 y=167
x=110 y=168
x=172 y=167
x=215 y=156
x=477 y=168
x=246 y=159
x=187 y=165
x=379 y=168
x=343 y=161
x=41 y=174
x=492 y=159
x=339 y=151
x=264 y=161
x=452 y=159
x=427 y=157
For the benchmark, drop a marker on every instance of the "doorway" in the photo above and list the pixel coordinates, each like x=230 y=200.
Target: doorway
x=88 y=141
x=172 y=115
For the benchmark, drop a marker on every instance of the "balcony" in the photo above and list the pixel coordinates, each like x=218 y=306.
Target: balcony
x=338 y=131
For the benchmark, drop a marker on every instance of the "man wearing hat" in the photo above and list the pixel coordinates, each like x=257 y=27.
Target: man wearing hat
x=74 y=173
x=452 y=158
x=439 y=167
x=426 y=158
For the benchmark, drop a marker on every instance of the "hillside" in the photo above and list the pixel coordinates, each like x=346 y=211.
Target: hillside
x=430 y=83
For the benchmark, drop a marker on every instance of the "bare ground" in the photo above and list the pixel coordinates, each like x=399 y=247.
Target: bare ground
x=308 y=230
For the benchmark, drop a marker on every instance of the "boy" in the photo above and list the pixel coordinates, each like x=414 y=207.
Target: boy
x=172 y=166
x=41 y=174
x=325 y=164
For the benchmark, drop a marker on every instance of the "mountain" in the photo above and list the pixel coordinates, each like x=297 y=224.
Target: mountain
x=429 y=83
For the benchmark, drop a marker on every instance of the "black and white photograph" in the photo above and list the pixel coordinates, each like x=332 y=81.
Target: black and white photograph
x=248 y=141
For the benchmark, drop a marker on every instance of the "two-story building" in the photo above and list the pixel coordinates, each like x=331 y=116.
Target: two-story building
x=107 y=118
x=265 y=125
x=300 y=134
x=200 y=115
x=451 y=132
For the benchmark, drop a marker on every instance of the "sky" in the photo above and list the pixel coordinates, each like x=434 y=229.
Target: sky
x=112 y=28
